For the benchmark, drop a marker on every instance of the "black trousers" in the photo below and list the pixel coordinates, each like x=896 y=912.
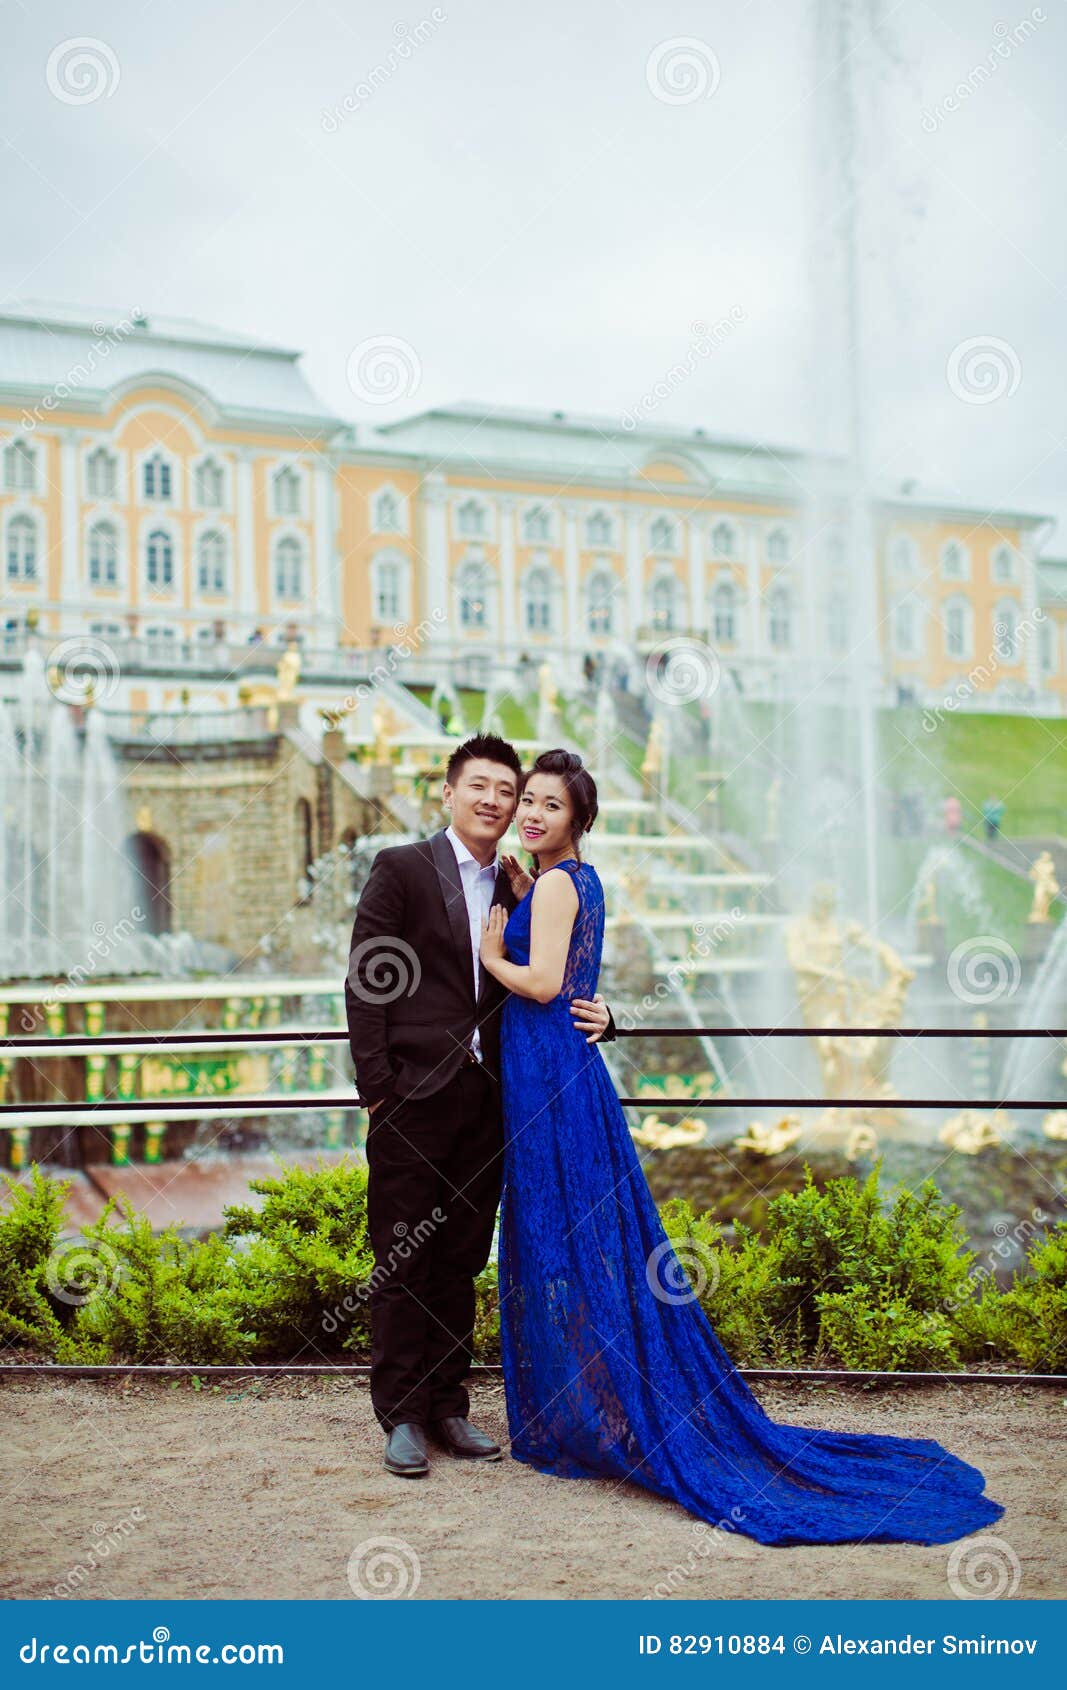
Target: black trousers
x=433 y=1190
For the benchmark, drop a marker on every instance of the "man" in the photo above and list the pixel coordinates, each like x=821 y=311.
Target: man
x=424 y=1029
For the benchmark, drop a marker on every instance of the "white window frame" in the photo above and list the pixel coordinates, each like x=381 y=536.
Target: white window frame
x=199 y=463
x=32 y=458
x=401 y=563
x=118 y=464
x=610 y=543
x=105 y=518
x=167 y=526
x=156 y=502
x=283 y=468
x=734 y=529
x=282 y=538
x=959 y=602
x=950 y=545
x=204 y=531
x=23 y=517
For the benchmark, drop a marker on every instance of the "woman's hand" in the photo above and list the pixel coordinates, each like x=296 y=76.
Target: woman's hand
x=492 y=946
x=518 y=879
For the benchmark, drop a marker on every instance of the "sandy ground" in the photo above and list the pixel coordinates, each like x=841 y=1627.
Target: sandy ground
x=122 y=1489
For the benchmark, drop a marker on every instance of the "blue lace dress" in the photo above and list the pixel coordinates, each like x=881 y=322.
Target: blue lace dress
x=607 y=1376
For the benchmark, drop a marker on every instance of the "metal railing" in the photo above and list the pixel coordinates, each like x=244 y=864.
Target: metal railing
x=138 y=1109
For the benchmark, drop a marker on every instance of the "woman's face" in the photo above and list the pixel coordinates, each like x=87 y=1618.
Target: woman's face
x=545 y=815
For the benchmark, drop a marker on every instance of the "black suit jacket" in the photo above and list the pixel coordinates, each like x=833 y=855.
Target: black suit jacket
x=409 y=991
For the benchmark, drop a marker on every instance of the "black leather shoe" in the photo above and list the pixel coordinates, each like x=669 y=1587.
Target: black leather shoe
x=462 y=1439
x=405 y=1451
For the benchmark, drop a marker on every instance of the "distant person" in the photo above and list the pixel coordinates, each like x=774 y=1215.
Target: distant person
x=992 y=816
x=953 y=814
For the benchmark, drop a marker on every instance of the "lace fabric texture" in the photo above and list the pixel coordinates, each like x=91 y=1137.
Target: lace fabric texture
x=610 y=1375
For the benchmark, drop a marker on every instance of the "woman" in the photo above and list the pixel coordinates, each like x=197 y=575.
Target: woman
x=606 y=1374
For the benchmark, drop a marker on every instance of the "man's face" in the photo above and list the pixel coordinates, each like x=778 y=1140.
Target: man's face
x=483 y=800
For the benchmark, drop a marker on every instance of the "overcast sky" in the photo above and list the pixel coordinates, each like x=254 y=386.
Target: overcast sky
x=540 y=201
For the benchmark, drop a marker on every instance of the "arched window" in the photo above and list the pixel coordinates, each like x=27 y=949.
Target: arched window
x=955 y=561
x=159 y=560
x=599 y=529
x=471 y=520
x=957 y=624
x=22 y=549
x=664 y=602
x=387 y=513
x=287 y=490
x=836 y=612
x=663 y=535
x=288 y=568
x=779 y=619
x=724 y=613
x=211 y=562
x=103 y=554
x=904 y=555
x=20 y=467
x=101 y=474
x=778 y=546
x=472 y=594
x=600 y=603
x=537 y=601
x=156 y=480
x=210 y=485
x=389 y=589
x=907 y=626
x=161 y=642
x=1003 y=566
x=305 y=845
x=536 y=525
x=835 y=550
x=1006 y=631
x=724 y=540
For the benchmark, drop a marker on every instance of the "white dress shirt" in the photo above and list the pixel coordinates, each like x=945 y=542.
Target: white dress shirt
x=479 y=885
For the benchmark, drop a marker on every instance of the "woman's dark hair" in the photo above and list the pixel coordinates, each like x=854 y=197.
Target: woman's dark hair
x=581 y=787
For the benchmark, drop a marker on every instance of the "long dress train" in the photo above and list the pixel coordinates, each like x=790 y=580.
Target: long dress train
x=605 y=1377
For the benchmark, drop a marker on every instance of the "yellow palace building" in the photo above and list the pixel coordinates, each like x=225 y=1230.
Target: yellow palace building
x=177 y=492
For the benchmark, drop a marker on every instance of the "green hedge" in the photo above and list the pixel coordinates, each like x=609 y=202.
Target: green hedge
x=840 y=1276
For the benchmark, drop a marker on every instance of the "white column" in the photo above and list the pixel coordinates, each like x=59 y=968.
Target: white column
x=435 y=559
x=507 y=628
x=697 y=602
x=247 y=603
x=1032 y=637
x=635 y=587
x=72 y=587
x=753 y=544
x=571 y=613
x=327 y=567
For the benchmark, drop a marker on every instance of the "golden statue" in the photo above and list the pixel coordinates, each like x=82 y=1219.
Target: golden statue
x=831 y=997
x=1055 y=1124
x=288 y=671
x=653 y=758
x=925 y=909
x=660 y=1135
x=385 y=725
x=546 y=686
x=973 y=1130
x=770 y=1140
x=1046 y=886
